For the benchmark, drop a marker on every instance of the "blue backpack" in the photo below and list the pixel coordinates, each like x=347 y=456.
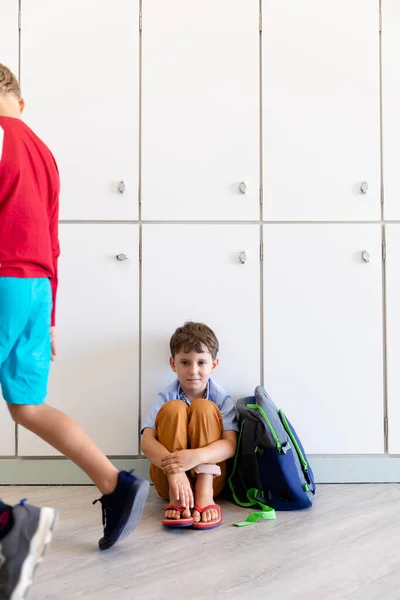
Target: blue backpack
x=270 y=469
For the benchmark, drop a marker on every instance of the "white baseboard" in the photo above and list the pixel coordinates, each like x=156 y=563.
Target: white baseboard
x=57 y=471
x=356 y=469
x=327 y=469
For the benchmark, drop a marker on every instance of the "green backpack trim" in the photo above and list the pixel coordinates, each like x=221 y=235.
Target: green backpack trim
x=266 y=512
x=303 y=461
x=255 y=497
x=272 y=430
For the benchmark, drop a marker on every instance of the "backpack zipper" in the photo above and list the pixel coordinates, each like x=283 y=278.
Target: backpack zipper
x=294 y=441
x=274 y=435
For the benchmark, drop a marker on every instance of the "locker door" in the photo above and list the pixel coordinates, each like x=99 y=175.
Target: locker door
x=200 y=110
x=80 y=74
x=321 y=120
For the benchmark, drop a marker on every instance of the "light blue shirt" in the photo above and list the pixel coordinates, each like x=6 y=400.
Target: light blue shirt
x=215 y=393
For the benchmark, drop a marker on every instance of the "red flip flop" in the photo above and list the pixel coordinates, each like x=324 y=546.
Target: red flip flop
x=177 y=522
x=210 y=524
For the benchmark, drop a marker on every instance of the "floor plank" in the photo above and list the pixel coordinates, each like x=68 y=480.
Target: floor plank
x=345 y=547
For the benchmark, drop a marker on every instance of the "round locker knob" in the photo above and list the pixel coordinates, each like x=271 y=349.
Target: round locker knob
x=365 y=256
x=121 y=187
x=242 y=257
x=121 y=256
x=242 y=187
x=364 y=187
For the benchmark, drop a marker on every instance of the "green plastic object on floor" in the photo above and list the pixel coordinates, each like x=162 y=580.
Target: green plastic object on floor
x=266 y=512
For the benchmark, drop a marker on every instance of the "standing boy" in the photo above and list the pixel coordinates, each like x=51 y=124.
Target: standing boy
x=29 y=249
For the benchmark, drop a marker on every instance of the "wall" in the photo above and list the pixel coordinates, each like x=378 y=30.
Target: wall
x=241 y=157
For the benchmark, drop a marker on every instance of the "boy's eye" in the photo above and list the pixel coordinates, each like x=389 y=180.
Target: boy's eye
x=184 y=362
x=202 y=362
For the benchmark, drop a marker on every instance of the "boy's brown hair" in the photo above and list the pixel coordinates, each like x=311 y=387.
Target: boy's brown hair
x=8 y=82
x=194 y=337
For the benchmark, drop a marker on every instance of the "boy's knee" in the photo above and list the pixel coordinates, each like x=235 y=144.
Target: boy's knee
x=173 y=409
x=204 y=407
x=22 y=414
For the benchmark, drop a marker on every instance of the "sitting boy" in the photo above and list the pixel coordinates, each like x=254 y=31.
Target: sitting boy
x=190 y=432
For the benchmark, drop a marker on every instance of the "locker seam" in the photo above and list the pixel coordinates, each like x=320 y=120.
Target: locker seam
x=383 y=257
x=140 y=257
x=261 y=177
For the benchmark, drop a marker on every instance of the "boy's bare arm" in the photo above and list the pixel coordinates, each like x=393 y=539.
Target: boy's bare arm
x=217 y=452
x=220 y=450
x=152 y=448
x=179 y=483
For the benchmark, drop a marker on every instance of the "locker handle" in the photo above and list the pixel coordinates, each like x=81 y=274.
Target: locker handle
x=364 y=187
x=365 y=256
x=121 y=256
x=242 y=257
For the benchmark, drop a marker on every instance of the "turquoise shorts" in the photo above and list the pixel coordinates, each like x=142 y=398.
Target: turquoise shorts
x=25 y=348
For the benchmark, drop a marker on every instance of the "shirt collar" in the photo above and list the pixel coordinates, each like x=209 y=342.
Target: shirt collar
x=182 y=396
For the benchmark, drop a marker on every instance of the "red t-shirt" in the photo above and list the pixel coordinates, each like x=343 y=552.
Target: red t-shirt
x=29 y=191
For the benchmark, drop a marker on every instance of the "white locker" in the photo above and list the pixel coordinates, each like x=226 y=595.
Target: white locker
x=200 y=110
x=393 y=334
x=195 y=272
x=95 y=378
x=9 y=34
x=80 y=77
x=321 y=116
x=8 y=57
x=390 y=106
x=323 y=333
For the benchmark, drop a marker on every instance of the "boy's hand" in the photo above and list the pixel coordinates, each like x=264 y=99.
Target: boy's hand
x=53 y=342
x=180 y=462
x=180 y=489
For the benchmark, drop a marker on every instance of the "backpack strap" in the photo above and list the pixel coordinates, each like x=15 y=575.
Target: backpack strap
x=245 y=474
x=249 y=465
x=256 y=498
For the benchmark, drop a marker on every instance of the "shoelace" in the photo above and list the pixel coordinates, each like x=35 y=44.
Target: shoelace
x=103 y=511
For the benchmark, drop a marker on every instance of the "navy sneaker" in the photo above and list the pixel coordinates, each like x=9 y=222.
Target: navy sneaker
x=122 y=508
x=22 y=549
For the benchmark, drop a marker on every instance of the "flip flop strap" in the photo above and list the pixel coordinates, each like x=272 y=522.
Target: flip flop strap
x=209 y=507
x=172 y=507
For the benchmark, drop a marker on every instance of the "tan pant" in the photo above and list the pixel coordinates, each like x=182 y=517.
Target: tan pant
x=179 y=427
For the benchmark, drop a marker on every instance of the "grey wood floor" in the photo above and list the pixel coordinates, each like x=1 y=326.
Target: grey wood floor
x=346 y=546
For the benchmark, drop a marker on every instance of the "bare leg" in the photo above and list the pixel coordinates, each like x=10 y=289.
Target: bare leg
x=205 y=427
x=66 y=436
x=204 y=496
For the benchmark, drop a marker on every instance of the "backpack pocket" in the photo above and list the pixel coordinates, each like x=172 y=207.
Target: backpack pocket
x=280 y=481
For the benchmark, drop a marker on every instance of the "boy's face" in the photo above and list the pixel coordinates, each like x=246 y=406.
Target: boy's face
x=193 y=370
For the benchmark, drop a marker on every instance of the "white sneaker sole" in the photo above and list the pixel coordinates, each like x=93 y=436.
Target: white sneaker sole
x=37 y=548
x=137 y=509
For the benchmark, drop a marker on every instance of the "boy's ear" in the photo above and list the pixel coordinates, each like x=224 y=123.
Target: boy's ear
x=172 y=364
x=215 y=365
x=21 y=105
